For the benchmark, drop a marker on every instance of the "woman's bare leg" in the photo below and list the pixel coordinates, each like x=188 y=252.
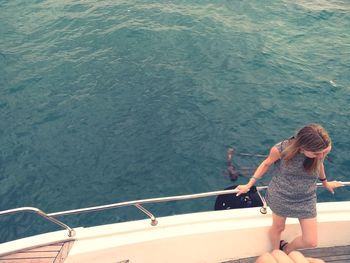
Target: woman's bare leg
x=308 y=239
x=278 y=225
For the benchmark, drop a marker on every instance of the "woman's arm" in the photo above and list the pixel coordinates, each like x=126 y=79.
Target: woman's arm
x=330 y=186
x=273 y=156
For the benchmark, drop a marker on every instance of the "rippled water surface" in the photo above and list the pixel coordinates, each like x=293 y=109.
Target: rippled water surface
x=110 y=101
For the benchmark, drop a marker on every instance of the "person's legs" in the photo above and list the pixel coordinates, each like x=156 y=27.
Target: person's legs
x=278 y=256
x=300 y=258
x=281 y=257
x=266 y=258
x=315 y=260
x=308 y=239
x=297 y=257
x=278 y=225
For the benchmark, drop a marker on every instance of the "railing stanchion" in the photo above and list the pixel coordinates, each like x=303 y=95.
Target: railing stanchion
x=154 y=221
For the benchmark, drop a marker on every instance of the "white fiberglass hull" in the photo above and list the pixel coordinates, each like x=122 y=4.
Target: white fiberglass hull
x=215 y=236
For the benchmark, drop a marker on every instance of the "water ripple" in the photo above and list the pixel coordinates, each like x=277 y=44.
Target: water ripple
x=98 y=97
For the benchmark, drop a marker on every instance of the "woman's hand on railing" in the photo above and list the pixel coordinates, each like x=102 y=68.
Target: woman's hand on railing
x=330 y=186
x=242 y=189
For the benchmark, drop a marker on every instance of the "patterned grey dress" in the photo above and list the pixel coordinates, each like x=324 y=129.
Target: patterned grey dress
x=292 y=191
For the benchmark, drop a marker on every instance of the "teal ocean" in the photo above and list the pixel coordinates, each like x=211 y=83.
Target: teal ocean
x=110 y=101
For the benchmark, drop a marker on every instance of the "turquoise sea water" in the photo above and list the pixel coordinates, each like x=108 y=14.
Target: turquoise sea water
x=110 y=101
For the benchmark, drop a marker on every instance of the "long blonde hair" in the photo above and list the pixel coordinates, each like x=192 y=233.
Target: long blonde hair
x=313 y=138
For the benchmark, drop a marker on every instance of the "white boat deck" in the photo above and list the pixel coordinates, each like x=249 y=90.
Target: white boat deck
x=340 y=254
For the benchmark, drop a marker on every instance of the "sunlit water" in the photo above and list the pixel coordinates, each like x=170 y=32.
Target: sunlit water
x=110 y=101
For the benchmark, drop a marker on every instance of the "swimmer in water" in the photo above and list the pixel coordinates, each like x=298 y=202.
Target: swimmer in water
x=232 y=171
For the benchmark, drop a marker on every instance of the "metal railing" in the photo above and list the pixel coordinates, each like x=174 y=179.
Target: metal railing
x=71 y=231
x=137 y=203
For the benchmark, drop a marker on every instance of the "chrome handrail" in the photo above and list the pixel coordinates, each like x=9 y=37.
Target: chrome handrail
x=71 y=231
x=136 y=203
x=146 y=201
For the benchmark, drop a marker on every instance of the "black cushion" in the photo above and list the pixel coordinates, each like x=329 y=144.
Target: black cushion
x=231 y=201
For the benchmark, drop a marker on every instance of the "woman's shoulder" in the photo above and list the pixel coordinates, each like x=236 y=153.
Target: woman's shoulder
x=283 y=144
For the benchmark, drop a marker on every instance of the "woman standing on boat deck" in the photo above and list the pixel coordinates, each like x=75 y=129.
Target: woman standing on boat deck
x=292 y=191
